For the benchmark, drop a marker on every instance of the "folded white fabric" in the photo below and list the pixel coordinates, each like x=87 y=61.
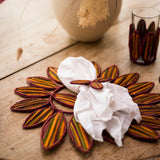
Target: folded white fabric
x=110 y=108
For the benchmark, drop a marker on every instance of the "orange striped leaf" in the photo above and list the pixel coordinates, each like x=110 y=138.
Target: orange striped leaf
x=82 y=82
x=143 y=133
x=38 y=117
x=134 y=46
x=101 y=80
x=147 y=98
x=53 y=131
x=65 y=99
x=42 y=82
x=29 y=104
x=140 y=88
x=98 y=69
x=79 y=136
x=148 y=49
x=153 y=110
x=52 y=74
x=96 y=85
x=31 y=92
x=150 y=121
x=127 y=79
x=111 y=72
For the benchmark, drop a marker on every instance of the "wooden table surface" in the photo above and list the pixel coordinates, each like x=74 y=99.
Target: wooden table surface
x=42 y=48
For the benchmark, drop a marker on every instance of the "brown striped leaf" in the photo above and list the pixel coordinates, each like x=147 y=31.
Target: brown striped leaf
x=143 y=133
x=140 y=88
x=147 y=98
x=79 y=136
x=65 y=99
x=147 y=47
x=52 y=74
x=150 y=121
x=53 y=131
x=134 y=46
x=98 y=69
x=38 y=117
x=81 y=82
x=152 y=110
x=152 y=27
x=42 y=82
x=127 y=79
x=29 y=104
x=111 y=72
x=101 y=80
x=96 y=85
x=141 y=28
x=59 y=107
x=31 y=92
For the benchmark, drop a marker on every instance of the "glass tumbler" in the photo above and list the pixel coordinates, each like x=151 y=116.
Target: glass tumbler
x=144 y=35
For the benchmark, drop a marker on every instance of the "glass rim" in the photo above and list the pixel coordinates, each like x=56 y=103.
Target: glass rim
x=146 y=17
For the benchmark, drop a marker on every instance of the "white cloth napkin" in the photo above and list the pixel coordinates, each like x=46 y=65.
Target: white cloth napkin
x=110 y=108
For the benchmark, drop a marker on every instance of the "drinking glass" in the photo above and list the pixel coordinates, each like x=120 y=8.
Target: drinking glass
x=144 y=35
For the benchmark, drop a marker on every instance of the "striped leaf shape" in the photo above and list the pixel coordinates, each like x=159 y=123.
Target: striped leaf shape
x=42 y=82
x=52 y=74
x=143 y=133
x=79 y=136
x=96 y=85
x=147 y=98
x=127 y=79
x=134 y=45
x=111 y=72
x=141 y=28
x=65 y=99
x=152 y=27
x=82 y=82
x=101 y=80
x=147 y=46
x=150 y=121
x=140 y=88
x=153 y=110
x=29 y=104
x=53 y=131
x=98 y=69
x=31 y=92
x=38 y=117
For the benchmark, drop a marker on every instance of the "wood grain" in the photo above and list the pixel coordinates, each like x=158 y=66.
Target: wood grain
x=34 y=28
x=19 y=144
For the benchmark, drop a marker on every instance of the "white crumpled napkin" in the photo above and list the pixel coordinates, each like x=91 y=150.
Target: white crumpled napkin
x=110 y=108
